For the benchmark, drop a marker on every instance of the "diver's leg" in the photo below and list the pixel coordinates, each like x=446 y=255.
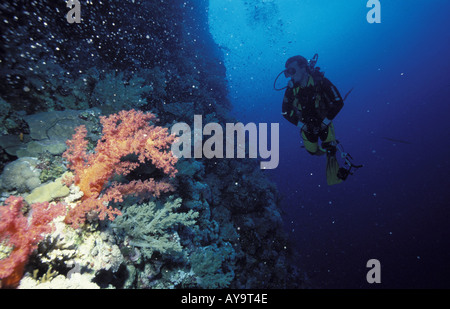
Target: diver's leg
x=311 y=143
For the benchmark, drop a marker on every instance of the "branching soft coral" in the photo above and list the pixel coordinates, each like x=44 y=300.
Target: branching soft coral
x=22 y=235
x=125 y=133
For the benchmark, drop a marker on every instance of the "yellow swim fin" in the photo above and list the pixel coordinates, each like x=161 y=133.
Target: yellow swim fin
x=332 y=170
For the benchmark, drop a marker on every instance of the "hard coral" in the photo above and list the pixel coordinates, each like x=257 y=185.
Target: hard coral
x=124 y=133
x=152 y=226
x=22 y=235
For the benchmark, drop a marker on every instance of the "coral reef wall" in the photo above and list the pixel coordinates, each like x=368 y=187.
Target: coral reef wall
x=219 y=227
x=157 y=48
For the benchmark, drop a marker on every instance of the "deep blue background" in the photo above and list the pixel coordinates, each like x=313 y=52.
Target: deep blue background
x=396 y=208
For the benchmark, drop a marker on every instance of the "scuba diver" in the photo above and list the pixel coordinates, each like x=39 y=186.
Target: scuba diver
x=311 y=102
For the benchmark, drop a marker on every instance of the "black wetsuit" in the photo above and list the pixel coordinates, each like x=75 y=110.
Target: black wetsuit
x=320 y=99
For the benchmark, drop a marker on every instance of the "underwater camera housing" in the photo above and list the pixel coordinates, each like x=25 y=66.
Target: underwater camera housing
x=349 y=167
x=343 y=173
x=311 y=65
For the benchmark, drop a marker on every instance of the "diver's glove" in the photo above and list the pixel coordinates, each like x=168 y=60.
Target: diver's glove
x=326 y=122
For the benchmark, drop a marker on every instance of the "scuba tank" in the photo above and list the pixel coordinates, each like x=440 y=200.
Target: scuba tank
x=312 y=63
x=315 y=71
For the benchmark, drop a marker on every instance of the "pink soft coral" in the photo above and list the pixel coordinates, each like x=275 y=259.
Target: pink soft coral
x=22 y=235
x=125 y=133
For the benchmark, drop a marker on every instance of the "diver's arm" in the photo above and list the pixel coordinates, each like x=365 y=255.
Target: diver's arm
x=287 y=109
x=335 y=102
x=326 y=121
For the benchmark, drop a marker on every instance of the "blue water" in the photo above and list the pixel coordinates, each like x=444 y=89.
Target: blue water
x=395 y=209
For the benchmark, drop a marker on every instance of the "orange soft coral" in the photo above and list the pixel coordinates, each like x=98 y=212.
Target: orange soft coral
x=22 y=235
x=125 y=133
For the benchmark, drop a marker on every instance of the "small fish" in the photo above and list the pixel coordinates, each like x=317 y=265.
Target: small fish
x=348 y=93
x=396 y=140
